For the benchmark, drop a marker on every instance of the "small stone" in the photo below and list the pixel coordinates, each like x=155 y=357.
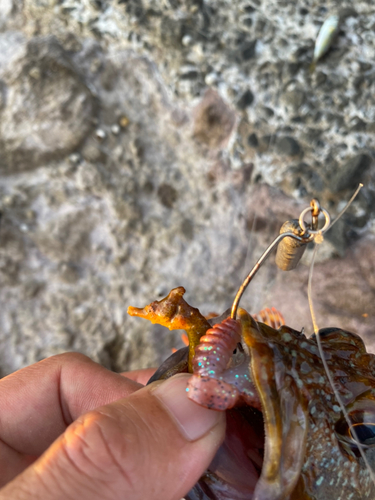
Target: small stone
x=252 y=140
x=294 y=98
x=287 y=146
x=214 y=120
x=74 y=158
x=124 y=121
x=35 y=73
x=167 y=195
x=210 y=78
x=350 y=174
x=115 y=129
x=187 y=40
x=245 y=100
x=100 y=134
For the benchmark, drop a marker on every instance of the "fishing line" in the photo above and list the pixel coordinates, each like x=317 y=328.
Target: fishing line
x=318 y=241
x=360 y=186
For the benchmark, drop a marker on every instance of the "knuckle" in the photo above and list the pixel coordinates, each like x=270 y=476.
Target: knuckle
x=97 y=446
x=65 y=359
x=69 y=358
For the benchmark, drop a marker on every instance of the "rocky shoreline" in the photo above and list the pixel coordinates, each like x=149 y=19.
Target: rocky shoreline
x=147 y=145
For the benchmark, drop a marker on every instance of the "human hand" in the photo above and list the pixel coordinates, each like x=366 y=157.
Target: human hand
x=70 y=429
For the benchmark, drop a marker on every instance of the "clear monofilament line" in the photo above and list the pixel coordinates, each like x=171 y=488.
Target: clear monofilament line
x=360 y=186
x=326 y=368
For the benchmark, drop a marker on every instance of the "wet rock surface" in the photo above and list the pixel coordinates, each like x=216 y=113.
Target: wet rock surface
x=47 y=109
x=145 y=146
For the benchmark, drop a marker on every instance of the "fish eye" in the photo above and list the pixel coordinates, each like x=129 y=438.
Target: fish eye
x=363 y=433
x=361 y=414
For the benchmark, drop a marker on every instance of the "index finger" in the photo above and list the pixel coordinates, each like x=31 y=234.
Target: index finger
x=39 y=402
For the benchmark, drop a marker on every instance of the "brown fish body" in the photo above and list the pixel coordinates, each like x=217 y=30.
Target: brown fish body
x=331 y=467
x=308 y=452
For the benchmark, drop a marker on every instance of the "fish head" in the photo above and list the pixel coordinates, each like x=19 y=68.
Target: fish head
x=287 y=437
x=310 y=450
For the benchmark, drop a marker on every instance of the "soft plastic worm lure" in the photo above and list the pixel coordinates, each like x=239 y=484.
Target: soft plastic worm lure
x=219 y=382
x=215 y=383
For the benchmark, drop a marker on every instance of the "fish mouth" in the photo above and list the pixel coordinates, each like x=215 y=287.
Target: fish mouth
x=237 y=466
x=264 y=447
x=243 y=468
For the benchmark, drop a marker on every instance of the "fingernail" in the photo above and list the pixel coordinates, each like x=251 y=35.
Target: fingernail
x=193 y=420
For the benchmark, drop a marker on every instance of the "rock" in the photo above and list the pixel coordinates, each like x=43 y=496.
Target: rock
x=167 y=195
x=123 y=176
x=295 y=98
x=245 y=100
x=214 y=120
x=48 y=108
x=287 y=146
x=351 y=173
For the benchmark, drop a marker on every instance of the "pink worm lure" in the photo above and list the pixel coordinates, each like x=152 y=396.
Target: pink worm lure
x=216 y=383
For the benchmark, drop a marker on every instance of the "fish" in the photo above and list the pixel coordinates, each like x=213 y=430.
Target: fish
x=286 y=436
x=325 y=38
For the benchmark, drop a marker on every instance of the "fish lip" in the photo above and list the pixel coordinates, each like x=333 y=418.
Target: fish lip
x=284 y=406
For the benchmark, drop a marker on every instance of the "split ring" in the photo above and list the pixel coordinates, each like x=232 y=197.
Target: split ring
x=311 y=231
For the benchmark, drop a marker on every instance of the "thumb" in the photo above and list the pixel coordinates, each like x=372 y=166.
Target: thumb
x=154 y=444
